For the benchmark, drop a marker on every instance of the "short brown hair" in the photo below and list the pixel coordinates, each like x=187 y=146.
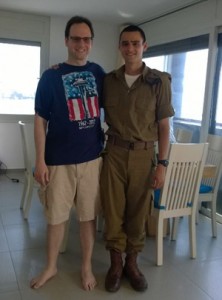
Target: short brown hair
x=78 y=20
x=132 y=28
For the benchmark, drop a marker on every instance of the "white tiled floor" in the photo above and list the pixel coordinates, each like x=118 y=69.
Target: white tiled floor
x=22 y=255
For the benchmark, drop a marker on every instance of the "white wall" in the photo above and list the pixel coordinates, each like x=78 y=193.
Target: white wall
x=104 y=52
x=193 y=21
x=26 y=27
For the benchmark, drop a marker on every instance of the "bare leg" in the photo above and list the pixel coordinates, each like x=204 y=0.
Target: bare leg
x=87 y=238
x=54 y=239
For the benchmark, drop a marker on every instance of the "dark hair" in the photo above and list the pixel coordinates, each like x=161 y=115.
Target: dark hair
x=132 y=28
x=78 y=20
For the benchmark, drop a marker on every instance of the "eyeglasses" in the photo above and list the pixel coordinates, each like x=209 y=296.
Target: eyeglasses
x=78 y=39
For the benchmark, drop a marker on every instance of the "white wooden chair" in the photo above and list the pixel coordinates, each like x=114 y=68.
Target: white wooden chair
x=179 y=195
x=28 y=147
x=209 y=186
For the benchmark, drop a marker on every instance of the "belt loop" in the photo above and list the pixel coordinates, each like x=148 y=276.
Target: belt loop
x=145 y=148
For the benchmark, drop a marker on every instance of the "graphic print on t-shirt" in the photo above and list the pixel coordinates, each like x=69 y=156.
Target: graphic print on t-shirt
x=81 y=95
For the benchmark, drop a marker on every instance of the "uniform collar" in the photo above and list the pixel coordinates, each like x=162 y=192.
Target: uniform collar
x=149 y=75
x=121 y=71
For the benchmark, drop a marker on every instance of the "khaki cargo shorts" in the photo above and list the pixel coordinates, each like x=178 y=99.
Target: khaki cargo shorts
x=72 y=185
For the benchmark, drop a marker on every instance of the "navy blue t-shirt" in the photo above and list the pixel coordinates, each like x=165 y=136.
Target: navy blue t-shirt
x=69 y=99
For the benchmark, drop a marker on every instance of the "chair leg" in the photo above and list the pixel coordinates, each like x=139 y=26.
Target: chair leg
x=173 y=233
x=213 y=218
x=28 y=200
x=197 y=211
x=192 y=235
x=24 y=193
x=159 y=241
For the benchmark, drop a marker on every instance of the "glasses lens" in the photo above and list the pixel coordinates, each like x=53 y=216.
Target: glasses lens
x=77 y=39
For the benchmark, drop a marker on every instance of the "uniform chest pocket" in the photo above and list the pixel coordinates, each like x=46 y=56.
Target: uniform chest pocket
x=146 y=100
x=146 y=104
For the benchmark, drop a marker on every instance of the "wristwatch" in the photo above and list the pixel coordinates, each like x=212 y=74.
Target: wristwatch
x=163 y=162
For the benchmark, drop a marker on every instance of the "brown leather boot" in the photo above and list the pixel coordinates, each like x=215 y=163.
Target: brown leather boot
x=132 y=272
x=114 y=275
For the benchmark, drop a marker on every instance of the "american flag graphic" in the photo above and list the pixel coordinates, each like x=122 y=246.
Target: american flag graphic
x=76 y=108
x=81 y=95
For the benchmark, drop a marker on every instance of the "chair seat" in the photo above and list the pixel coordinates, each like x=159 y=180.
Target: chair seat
x=157 y=194
x=204 y=189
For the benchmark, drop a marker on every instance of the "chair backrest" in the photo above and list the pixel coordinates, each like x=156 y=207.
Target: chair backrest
x=183 y=135
x=28 y=145
x=214 y=157
x=183 y=177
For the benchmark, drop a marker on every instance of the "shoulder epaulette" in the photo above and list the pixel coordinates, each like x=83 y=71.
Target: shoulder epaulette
x=155 y=76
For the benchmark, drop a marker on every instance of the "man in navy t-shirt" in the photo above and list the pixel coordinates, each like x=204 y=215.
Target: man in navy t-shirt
x=69 y=141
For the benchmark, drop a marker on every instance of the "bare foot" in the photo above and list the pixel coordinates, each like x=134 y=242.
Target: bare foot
x=88 y=280
x=40 y=280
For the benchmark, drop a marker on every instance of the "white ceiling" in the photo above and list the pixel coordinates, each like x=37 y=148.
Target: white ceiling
x=112 y=11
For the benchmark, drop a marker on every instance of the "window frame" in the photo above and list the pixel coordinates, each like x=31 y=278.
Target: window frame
x=29 y=28
x=19 y=43
x=213 y=124
x=176 y=47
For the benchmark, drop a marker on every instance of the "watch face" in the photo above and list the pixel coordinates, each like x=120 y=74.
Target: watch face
x=163 y=162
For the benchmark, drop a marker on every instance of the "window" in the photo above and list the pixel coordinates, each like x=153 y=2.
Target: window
x=19 y=75
x=186 y=61
x=219 y=99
